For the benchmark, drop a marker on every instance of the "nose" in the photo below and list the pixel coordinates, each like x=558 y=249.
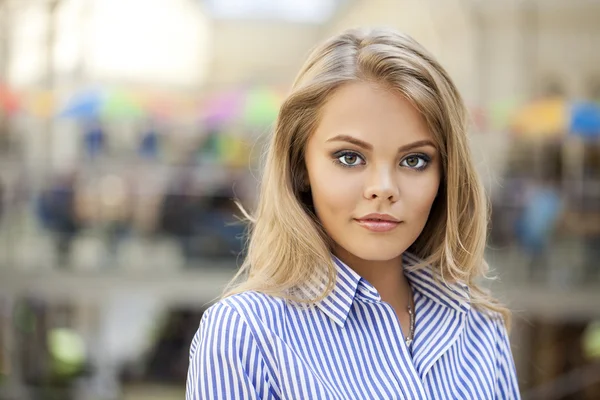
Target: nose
x=382 y=186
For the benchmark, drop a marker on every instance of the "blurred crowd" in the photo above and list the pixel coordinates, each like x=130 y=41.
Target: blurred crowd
x=539 y=208
x=193 y=201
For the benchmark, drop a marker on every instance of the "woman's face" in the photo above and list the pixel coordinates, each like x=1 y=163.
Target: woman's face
x=374 y=171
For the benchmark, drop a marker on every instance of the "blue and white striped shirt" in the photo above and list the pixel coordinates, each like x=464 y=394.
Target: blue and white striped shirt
x=350 y=346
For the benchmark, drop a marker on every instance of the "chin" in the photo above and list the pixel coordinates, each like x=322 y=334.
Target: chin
x=376 y=252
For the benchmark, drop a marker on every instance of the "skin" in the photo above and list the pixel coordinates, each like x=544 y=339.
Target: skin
x=372 y=152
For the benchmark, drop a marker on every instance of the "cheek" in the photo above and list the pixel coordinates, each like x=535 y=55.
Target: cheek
x=330 y=195
x=421 y=195
x=332 y=192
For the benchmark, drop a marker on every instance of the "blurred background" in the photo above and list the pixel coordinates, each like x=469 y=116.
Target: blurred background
x=128 y=126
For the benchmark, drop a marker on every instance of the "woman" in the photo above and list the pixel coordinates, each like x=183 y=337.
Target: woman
x=360 y=278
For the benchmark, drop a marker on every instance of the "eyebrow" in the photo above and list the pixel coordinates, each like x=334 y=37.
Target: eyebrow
x=367 y=146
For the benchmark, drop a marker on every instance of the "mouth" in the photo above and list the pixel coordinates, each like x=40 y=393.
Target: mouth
x=378 y=222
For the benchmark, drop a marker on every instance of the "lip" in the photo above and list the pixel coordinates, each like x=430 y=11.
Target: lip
x=378 y=222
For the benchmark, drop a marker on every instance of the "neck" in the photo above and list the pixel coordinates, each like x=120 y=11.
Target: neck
x=386 y=276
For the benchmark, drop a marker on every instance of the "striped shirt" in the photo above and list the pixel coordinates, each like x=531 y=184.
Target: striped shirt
x=350 y=346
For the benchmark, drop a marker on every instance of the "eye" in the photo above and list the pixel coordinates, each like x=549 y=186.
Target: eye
x=349 y=159
x=416 y=161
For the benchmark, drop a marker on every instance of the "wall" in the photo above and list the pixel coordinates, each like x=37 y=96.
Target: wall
x=494 y=51
x=258 y=51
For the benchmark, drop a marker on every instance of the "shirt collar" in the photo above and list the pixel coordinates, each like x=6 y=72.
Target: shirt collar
x=454 y=295
x=350 y=286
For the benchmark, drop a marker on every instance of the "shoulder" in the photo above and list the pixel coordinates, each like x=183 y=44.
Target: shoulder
x=484 y=319
x=254 y=310
x=490 y=337
x=230 y=347
x=488 y=327
x=255 y=306
x=249 y=321
x=251 y=300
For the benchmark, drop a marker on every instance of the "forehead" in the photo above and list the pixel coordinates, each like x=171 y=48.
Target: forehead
x=371 y=113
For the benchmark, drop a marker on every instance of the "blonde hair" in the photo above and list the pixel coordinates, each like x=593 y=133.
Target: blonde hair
x=287 y=244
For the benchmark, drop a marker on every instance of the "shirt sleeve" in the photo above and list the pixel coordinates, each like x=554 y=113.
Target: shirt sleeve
x=507 y=386
x=225 y=359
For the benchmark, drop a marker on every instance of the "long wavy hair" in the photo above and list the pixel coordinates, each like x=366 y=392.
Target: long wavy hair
x=287 y=244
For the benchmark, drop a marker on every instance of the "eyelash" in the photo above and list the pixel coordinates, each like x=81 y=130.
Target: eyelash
x=337 y=155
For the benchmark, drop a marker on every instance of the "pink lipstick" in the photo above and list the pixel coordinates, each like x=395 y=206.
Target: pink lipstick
x=378 y=222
